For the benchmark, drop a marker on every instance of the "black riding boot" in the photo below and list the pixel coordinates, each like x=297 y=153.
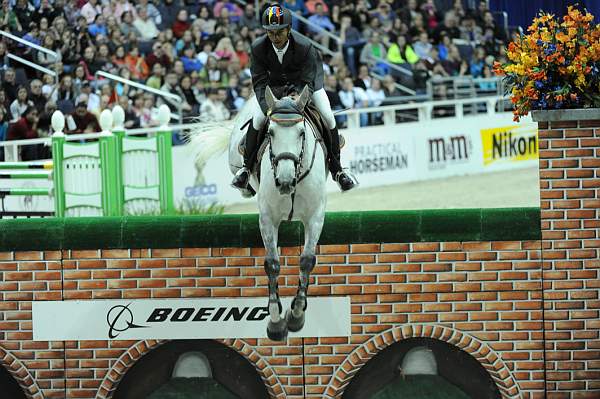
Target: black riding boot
x=335 y=167
x=242 y=177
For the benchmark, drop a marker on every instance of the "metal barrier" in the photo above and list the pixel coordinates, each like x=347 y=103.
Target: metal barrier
x=25 y=174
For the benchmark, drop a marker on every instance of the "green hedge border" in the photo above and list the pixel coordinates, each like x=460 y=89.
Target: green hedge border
x=488 y=224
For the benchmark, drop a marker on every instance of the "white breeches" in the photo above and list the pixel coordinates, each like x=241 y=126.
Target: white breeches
x=319 y=98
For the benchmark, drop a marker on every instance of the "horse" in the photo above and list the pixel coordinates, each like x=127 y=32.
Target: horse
x=289 y=182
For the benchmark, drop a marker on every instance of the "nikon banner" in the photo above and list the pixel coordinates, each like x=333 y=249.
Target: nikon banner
x=180 y=319
x=509 y=145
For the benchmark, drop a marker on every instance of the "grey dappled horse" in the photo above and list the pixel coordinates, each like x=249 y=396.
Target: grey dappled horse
x=293 y=173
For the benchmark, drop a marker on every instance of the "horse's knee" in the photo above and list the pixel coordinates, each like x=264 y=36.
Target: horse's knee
x=307 y=263
x=272 y=266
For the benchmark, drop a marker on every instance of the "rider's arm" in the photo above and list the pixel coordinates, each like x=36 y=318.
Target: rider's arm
x=313 y=70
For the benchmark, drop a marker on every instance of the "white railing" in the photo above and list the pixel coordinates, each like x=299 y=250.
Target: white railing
x=34 y=66
x=29 y=44
x=176 y=100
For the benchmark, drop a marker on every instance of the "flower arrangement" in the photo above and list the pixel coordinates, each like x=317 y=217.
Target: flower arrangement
x=556 y=65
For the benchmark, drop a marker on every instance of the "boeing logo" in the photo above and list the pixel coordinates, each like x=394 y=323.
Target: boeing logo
x=120 y=319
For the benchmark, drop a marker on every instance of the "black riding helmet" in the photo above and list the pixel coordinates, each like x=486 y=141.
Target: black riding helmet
x=276 y=17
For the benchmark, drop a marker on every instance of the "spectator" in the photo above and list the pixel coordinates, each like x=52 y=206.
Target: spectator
x=23 y=13
x=206 y=52
x=430 y=14
x=126 y=26
x=149 y=112
x=93 y=100
x=186 y=40
x=311 y=6
x=385 y=15
x=477 y=63
x=469 y=30
x=187 y=92
x=116 y=9
x=131 y=119
x=225 y=49
x=20 y=104
x=155 y=80
x=4 y=61
x=190 y=62
x=4 y=104
x=214 y=109
x=65 y=94
x=389 y=86
x=168 y=11
x=401 y=52
x=241 y=52
x=145 y=25
x=363 y=80
x=352 y=42
x=234 y=12
x=35 y=95
x=25 y=128
x=409 y=12
x=354 y=97
x=448 y=28
x=206 y=22
x=422 y=46
x=98 y=27
x=8 y=18
x=249 y=19
x=137 y=65
x=376 y=96
x=151 y=11
x=320 y=19
x=9 y=85
x=82 y=121
x=158 y=56
x=241 y=100
x=181 y=24
x=373 y=51
x=211 y=75
x=90 y=10
x=452 y=63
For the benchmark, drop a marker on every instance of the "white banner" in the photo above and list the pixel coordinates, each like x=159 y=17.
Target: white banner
x=384 y=155
x=180 y=319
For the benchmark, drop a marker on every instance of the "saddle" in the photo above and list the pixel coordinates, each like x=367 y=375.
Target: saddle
x=311 y=115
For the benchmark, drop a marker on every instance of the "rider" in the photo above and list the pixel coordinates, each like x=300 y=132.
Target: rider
x=279 y=59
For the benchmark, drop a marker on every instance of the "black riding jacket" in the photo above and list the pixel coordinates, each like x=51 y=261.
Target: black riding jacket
x=302 y=65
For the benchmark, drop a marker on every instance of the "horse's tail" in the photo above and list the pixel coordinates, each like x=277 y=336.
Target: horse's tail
x=209 y=139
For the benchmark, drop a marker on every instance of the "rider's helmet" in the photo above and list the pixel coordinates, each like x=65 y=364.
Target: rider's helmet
x=276 y=17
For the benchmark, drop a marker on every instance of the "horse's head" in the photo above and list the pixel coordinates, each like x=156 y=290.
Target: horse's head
x=286 y=137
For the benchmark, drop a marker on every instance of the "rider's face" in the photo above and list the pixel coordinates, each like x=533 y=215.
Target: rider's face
x=278 y=37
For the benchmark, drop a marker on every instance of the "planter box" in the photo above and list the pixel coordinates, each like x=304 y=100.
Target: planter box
x=553 y=115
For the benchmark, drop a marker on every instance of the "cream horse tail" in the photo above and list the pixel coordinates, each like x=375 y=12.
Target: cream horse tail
x=209 y=139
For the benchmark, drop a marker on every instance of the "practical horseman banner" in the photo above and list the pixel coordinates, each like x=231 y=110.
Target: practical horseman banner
x=180 y=319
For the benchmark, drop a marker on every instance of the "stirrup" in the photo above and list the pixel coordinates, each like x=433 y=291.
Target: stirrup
x=350 y=175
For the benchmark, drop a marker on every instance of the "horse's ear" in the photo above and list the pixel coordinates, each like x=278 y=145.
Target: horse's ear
x=270 y=98
x=304 y=97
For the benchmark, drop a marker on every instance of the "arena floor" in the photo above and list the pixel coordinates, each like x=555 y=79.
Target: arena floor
x=516 y=188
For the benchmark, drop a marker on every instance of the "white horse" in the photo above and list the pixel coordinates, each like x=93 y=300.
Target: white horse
x=293 y=173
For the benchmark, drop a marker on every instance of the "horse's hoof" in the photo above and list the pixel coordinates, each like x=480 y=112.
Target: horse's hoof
x=277 y=331
x=294 y=324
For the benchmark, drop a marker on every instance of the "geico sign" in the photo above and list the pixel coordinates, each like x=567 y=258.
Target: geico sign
x=203 y=189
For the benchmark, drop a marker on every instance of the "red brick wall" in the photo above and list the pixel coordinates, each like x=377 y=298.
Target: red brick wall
x=570 y=192
x=532 y=331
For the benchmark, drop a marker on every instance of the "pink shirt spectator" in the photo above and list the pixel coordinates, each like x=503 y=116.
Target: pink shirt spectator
x=90 y=10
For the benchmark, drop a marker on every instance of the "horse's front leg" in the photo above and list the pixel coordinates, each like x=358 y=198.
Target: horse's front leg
x=308 y=260
x=277 y=327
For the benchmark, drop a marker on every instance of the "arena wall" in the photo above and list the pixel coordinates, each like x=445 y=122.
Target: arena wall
x=521 y=301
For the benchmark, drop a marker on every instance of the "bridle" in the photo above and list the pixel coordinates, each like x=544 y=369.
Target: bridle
x=287 y=118
x=290 y=116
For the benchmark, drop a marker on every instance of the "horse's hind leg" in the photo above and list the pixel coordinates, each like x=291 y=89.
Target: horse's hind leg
x=277 y=327
x=308 y=259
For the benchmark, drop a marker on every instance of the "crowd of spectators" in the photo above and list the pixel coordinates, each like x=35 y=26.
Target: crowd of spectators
x=199 y=50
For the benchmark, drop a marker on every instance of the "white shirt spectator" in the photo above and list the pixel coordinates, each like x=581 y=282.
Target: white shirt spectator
x=147 y=28
x=354 y=98
x=375 y=97
x=17 y=109
x=213 y=111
